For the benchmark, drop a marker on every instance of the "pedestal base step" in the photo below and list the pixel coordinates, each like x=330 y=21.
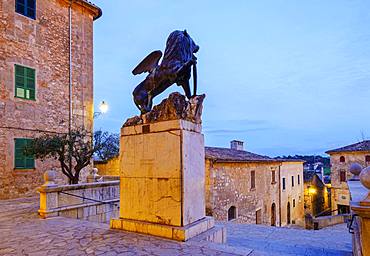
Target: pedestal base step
x=217 y=234
x=167 y=231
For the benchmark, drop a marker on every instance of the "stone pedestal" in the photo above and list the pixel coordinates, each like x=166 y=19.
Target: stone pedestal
x=162 y=180
x=360 y=208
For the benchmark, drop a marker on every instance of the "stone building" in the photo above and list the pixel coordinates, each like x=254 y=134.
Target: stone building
x=251 y=188
x=46 y=81
x=340 y=160
x=316 y=195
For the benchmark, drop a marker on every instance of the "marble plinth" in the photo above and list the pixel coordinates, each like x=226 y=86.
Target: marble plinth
x=162 y=180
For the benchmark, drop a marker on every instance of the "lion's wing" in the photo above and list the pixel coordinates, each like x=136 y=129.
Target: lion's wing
x=149 y=63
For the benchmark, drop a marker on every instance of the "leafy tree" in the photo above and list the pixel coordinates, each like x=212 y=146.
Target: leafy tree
x=111 y=148
x=73 y=150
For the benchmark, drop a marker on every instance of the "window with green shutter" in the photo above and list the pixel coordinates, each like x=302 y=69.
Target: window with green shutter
x=22 y=161
x=25 y=81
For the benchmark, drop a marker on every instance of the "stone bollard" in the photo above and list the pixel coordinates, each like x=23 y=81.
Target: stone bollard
x=365 y=181
x=93 y=176
x=48 y=197
x=355 y=169
x=49 y=178
x=361 y=207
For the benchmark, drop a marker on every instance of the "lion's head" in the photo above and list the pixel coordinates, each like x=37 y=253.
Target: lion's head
x=179 y=47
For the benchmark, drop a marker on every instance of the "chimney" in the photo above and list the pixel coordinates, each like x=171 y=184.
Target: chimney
x=237 y=145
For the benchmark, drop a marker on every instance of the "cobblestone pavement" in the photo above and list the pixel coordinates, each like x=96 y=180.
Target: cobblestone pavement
x=23 y=233
x=264 y=240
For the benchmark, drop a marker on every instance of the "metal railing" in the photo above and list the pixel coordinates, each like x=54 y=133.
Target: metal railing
x=85 y=198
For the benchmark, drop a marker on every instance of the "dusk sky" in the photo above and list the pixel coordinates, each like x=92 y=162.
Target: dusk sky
x=286 y=77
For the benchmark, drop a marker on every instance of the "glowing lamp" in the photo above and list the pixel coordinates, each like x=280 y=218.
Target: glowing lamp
x=312 y=191
x=103 y=107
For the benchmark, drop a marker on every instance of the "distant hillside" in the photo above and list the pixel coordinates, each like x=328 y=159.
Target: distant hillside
x=309 y=160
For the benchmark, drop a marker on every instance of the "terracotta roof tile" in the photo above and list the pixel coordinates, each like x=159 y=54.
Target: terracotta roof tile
x=232 y=155
x=360 y=146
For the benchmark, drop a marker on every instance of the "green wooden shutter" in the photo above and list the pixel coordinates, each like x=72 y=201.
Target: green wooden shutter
x=21 y=161
x=29 y=160
x=25 y=82
x=18 y=154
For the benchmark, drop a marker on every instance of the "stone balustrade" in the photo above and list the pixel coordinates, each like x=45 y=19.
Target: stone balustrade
x=359 y=187
x=326 y=221
x=98 y=201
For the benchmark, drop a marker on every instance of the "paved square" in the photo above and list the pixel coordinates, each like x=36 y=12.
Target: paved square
x=23 y=233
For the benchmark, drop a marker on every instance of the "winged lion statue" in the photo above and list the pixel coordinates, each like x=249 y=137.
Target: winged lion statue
x=175 y=67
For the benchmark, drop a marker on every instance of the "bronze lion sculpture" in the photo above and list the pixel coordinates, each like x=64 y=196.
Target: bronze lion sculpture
x=175 y=67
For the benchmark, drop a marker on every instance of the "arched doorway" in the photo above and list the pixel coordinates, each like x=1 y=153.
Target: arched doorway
x=273 y=214
x=288 y=213
x=231 y=213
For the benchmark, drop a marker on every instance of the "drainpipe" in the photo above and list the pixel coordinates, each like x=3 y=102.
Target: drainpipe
x=70 y=81
x=70 y=65
x=280 y=195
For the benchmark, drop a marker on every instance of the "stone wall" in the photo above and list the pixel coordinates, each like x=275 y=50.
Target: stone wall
x=98 y=202
x=43 y=45
x=326 y=221
x=229 y=184
x=339 y=190
x=109 y=167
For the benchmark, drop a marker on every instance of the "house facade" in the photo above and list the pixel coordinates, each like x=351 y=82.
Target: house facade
x=46 y=81
x=317 y=198
x=340 y=161
x=248 y=188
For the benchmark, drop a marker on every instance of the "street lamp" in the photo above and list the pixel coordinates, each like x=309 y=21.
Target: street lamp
x=103 y=107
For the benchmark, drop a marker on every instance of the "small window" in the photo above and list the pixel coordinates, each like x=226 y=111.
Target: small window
x=24 y=82
x=273 y=177
x=231 y=213
x=342 y=159
x=292 y=181
x=253 y=179
x=283 y=183
x=293 y=202
x=342 y=175
x=26 y=8
x=299 y=179
x=21 y=161
x=367 y=158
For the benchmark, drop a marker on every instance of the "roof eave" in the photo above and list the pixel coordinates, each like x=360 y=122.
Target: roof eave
x=242 y=161
x=346 y=151
x=97 y=11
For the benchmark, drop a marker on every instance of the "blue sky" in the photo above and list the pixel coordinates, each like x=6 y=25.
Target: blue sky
x=286 y=77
